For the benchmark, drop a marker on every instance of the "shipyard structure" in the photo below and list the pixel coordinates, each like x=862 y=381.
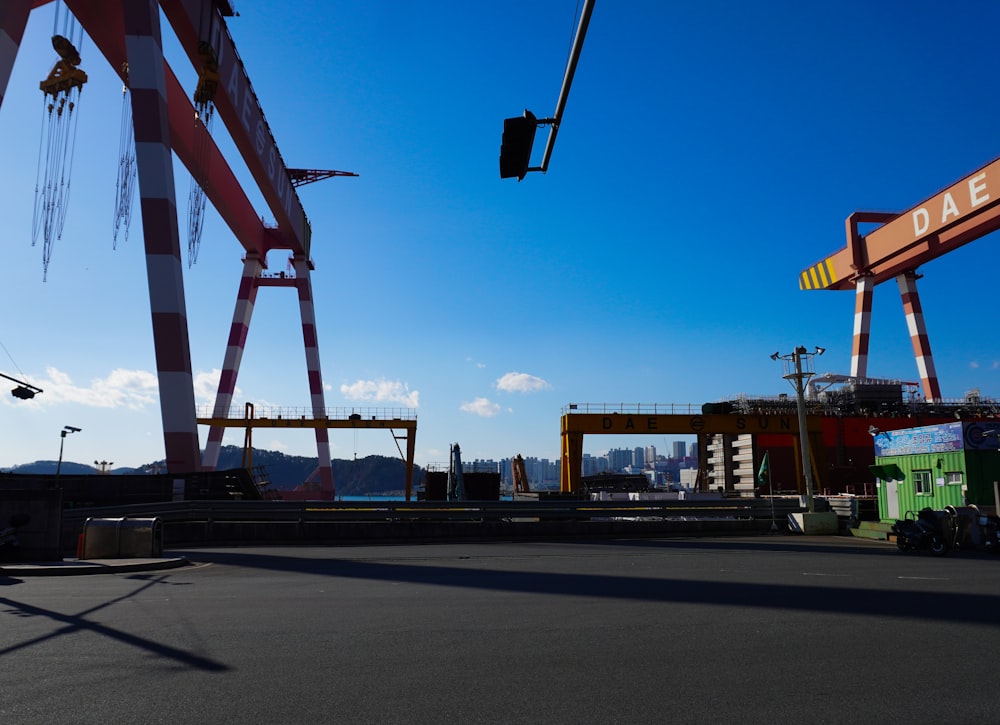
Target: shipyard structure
x=843 y=417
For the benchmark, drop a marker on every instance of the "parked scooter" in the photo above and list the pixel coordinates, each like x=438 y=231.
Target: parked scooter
x=932 y=531
x=8 y=536
x=939 y=532
x=975 y=530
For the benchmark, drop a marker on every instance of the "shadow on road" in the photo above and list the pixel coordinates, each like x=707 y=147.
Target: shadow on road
x=73 y=623
x=937 y=606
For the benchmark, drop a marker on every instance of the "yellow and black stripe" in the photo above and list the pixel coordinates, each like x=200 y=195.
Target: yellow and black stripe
x=819 y=276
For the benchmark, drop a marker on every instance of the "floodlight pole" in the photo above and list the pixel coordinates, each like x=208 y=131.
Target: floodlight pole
x=62 y=440
x=798 y=378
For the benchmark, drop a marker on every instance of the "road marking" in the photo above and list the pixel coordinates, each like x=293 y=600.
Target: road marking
x=927 y=578
x=816 y=573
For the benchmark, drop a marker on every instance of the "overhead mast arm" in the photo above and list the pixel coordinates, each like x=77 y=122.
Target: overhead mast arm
x=24 y=390
x=519 y=132
x=574 y=57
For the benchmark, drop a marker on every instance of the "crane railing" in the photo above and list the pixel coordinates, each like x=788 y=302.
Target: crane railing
x=238 y=412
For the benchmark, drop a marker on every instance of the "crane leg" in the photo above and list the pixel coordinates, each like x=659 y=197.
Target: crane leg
x=918 y=335
x=164 y=270
x=572 y=460
x=864 y=289
x=308 y=314
x=245 y=300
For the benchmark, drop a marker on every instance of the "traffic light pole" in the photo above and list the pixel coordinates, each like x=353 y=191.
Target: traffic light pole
x=574 y=57
x=519 y=132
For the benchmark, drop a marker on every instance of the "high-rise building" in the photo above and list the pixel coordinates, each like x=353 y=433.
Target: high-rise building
x=679 y=449
x=619 y=459
x=638 y=458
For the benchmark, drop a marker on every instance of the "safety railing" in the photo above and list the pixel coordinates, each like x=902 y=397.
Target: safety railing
x=291 y=413
x=633 y=408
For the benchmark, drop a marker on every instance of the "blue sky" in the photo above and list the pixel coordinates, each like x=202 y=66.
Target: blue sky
x=709 y=152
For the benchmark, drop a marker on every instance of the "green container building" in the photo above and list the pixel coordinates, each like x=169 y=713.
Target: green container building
x=951 y=464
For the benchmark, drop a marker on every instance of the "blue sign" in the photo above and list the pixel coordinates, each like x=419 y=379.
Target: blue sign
x=942 y=438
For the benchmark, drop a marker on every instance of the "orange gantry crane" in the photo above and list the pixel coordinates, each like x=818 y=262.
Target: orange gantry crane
x=128 y=35
x=963 y=212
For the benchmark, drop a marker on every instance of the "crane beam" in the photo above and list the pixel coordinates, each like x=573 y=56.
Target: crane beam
x=196 y=150
x=239 y=109
x=301 y=177
x=13 y=19
x=961 y=213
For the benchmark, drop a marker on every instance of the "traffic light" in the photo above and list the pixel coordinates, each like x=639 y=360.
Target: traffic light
x=23 y=393
x=515 y=147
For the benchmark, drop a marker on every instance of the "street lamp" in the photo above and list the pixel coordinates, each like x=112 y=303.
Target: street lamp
x=798 y=372
x=67 y=429
x=874 y=432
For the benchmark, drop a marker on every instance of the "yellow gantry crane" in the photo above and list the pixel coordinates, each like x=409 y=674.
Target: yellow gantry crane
x=393 y=420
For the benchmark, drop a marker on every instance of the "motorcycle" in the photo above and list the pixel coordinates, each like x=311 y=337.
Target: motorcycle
x=8 y=536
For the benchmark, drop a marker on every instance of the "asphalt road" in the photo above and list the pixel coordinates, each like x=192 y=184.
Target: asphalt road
x=715 y=630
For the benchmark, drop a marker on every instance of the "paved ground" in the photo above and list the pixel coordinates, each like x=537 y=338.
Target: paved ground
x=73 y=567
x=749 y=630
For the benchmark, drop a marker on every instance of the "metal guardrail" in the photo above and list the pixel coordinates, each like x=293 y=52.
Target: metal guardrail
x=227 y=523
x=372 y=511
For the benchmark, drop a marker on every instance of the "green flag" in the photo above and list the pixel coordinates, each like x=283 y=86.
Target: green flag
x=764 y=473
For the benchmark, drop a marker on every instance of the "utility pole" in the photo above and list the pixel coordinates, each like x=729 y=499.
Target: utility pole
x=798 y=374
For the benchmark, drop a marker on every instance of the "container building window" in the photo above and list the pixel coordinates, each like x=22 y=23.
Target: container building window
x=954 y=478
x=922 y=483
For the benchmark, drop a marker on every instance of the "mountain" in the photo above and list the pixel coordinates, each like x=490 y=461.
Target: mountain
x=369 y=475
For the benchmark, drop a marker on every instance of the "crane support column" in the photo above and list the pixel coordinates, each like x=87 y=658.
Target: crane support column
x=572 y=460
x=411 y=449
x=918 y=335
x=864 y=291
x=164 y=270
x=307 y=312
x=13 y=19
x=245 y=299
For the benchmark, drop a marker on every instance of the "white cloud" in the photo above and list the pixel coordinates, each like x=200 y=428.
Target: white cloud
x=481 y=407
x=382 y=391
x=206 y=387
x=134 y=389
x=521 y=383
